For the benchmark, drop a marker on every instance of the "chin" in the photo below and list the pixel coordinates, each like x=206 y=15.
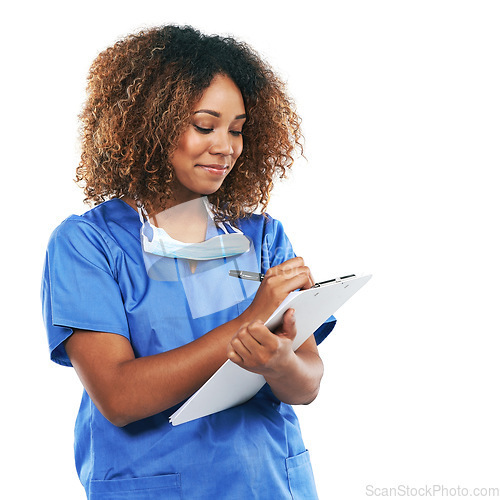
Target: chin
x=208 y=190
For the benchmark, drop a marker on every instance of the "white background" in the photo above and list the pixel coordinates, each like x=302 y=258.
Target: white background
x=401 y=111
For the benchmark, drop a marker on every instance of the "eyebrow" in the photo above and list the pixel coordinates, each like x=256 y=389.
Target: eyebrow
x=217 y=114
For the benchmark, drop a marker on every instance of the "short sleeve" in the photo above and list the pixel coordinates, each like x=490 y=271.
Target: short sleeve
x=276 y=248
x=325 y=329
x=79 y=286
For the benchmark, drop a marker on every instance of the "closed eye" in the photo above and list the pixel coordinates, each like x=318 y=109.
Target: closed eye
x=203 y=130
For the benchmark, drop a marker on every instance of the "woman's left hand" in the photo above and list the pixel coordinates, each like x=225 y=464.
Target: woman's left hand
x=257 y=349
x=294 y=377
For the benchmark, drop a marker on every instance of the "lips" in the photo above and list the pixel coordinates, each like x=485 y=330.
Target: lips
x=215 y=168
x=215 y=165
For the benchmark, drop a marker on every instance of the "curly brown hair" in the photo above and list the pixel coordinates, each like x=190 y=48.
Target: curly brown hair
x=141 y=93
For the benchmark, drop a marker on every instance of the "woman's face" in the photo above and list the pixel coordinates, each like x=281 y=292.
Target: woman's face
x=209 y=148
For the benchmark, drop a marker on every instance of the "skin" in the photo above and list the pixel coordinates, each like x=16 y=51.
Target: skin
x=125 y=388
x=214 y=138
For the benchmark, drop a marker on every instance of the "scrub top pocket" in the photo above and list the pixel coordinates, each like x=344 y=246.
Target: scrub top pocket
x=140 y=488
x=300 y=477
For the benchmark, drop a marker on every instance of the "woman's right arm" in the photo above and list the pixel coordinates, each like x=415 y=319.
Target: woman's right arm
x=125 y=388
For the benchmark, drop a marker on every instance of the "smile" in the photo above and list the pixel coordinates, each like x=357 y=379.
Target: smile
x=215 y=169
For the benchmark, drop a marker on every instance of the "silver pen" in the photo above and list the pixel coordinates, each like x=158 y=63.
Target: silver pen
x=246 y=275
x=249 y=275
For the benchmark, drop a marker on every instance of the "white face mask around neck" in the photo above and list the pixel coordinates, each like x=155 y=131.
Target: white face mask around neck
x=158 y=242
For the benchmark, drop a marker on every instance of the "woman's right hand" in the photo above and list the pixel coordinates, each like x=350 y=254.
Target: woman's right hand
x=278 y=282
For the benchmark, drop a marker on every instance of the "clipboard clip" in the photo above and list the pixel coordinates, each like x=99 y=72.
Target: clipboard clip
x=334 y=280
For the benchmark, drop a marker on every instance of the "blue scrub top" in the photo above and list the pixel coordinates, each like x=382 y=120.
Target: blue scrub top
x=95 y=279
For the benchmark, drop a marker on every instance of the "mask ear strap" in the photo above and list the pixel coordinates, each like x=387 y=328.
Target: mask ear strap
x=223 y=227
x=211 y=214
x=143 y=215
x=147 y=230
x=235 y=229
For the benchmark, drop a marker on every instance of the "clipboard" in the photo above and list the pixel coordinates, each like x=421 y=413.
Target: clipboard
x=232 y=385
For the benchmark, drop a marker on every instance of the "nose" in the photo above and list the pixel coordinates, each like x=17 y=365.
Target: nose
x=222 y=145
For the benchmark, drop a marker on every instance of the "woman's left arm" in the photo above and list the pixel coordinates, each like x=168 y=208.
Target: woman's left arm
x=294 y=377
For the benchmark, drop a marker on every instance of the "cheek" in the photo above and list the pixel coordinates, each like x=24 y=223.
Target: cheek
x=191 y=145
x=238 y=148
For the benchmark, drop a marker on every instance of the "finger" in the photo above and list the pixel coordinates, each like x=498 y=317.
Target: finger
x=311 y=279
x=234 y=356
x=286 y=266
x=240 y=348
x=288 y=327
x=296 y=264
x=288 y=272
x=262 y=336
x=249 y=338
x=307 y=277
x=301 y=281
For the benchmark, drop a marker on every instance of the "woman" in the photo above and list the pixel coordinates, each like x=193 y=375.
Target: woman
x=178 y=126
